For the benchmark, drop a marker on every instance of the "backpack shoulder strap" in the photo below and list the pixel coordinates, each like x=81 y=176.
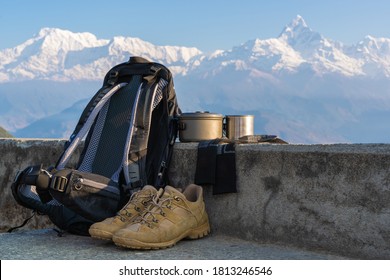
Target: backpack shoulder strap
x=86 y=120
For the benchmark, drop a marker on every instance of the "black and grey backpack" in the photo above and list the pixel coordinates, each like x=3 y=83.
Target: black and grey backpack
x=128 y=130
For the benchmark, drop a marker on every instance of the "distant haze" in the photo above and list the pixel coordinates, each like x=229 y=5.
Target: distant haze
x=299 y=85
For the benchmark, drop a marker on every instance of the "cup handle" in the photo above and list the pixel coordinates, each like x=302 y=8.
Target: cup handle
x=224 y=127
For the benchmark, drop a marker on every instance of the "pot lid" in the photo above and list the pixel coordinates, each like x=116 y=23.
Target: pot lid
x=201 y=115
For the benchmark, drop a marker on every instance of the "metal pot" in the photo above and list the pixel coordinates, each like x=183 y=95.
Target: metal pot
x=239 y=125
x=199 y=126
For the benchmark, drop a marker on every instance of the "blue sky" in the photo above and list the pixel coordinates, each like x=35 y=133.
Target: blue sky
x=205 y=24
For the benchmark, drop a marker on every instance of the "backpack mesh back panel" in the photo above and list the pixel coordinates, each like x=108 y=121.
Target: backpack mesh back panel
x=106 y=146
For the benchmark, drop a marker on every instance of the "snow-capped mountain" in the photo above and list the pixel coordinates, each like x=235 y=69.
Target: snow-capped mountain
x=299 y=85
x=61 y=55
x=299 y=48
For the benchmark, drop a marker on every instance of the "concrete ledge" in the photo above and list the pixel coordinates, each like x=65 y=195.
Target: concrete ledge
x=318 y=197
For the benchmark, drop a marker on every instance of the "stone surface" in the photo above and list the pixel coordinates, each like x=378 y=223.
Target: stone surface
x=45 y=244
x=318 y=197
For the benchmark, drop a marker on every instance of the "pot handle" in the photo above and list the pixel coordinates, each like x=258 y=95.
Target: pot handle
x=181 y=126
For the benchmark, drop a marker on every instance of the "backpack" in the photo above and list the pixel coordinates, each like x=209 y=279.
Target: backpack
x=129 y=128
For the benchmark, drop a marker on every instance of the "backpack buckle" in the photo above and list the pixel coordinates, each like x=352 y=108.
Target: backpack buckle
x=154 y=69
x=59 y=183
x=113 y=77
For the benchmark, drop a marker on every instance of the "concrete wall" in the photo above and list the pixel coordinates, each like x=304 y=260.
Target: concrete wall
x=320 y=197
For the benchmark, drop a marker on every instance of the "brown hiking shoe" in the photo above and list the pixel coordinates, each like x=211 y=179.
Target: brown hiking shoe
x=136 y=205
x=170 y=217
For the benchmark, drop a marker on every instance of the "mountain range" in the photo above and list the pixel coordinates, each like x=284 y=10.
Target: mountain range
x=299 y=85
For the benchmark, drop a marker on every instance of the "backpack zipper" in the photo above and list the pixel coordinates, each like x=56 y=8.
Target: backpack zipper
x=90 y=183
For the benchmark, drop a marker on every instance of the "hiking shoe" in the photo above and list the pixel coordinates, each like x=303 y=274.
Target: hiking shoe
x=171 y=216
x=136 y=205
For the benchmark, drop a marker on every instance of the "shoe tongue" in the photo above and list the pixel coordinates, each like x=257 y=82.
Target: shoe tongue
x=171 y=191
x=149 y=187
x=160 y=193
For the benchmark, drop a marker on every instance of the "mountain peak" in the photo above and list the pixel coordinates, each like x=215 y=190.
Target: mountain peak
x=297 y=22
x=46 y=31
x=297 y=33
x=294 y=28
x=56 y=39
x=63 y=34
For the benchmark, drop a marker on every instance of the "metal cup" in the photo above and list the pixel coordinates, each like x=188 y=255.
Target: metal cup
x=239 y=125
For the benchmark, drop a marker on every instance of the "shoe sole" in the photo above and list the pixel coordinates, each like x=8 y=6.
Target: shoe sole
x=100 y=234
x=196 y=233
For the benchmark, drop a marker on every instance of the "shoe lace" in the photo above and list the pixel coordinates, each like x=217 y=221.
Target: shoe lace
x=156 y=208
x=135 y=200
